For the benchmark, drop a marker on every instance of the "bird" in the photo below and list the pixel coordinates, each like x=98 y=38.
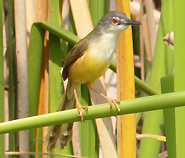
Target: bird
x=87 y=61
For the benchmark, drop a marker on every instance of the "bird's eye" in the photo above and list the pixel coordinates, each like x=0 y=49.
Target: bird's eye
x=115 y=20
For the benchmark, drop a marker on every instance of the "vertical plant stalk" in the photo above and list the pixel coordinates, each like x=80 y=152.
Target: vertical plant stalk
x=41 y=15
x=34 y=74
x=45 y=87
x=126 y=124
x=167 y=86
x=2 y=139
x=12 y=77
x=22 y=73
x=141 y=42
x=55 y=56
x=6 y=114
x=79 y=18
x=151 y=26
x=30 y=12
x=54 y=60
x=179 y=75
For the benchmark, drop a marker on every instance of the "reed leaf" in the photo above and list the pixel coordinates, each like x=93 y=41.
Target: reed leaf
x=34 y=73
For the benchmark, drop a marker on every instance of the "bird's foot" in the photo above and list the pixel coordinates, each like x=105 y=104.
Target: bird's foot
x=113 y=102
x=80 y=107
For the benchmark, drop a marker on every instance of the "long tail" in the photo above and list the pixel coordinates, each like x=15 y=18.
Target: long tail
x=59 y=135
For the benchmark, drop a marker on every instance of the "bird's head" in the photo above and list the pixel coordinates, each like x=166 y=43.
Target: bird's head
x=115 y=22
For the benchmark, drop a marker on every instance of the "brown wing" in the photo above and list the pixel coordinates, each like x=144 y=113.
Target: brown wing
x=76 y=52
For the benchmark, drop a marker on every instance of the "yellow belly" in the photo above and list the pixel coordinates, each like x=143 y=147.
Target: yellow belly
x=88 y=68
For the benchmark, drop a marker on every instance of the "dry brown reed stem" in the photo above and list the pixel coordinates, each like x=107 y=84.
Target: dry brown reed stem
x=22 y=73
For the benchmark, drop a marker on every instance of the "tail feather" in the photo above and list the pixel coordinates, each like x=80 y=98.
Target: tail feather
x=59 y=135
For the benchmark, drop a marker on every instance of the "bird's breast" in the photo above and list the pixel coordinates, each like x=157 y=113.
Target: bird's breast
x=93 y=63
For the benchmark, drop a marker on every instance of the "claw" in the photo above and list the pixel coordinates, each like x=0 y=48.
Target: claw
x=80 y=107
x=113 y=101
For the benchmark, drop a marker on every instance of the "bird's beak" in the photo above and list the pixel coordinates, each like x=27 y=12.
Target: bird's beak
x=131 y=22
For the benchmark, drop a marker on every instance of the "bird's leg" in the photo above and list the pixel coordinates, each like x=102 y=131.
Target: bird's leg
x=111 y=101
x=78 y=105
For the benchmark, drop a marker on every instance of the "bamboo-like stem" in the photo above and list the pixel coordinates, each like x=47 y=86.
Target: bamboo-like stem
x=12 y=77
x=126 y=125
x=2 y=138
x=179 y=75
x=22 y=75
x=150 y=103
